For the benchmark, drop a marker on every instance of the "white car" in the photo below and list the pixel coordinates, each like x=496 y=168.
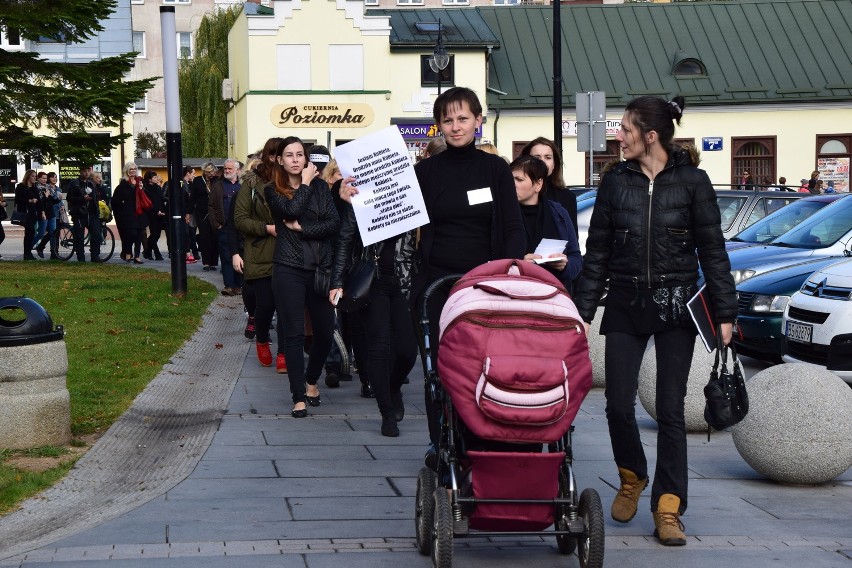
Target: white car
x=818 y=321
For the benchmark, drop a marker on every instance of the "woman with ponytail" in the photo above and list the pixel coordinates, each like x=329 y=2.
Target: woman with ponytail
x=655 y=216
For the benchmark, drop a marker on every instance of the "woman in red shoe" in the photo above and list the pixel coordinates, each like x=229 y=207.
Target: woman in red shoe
x=253 y=219
x=306 y=225
x=655 y=216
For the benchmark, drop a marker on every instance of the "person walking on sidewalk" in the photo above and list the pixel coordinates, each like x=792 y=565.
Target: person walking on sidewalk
x=27 y=201
x=253 y=219
x=222 y=190
x=306 y=225
x=653 y=211
x=190 y=224
x=85 y=214
x=392 y=346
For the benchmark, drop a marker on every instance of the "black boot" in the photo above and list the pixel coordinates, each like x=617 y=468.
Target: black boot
x=389 y=427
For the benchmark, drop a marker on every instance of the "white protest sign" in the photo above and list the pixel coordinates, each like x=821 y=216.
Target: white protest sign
x=389 y=200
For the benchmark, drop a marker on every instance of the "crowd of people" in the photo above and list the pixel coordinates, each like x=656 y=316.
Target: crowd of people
x=283 y=232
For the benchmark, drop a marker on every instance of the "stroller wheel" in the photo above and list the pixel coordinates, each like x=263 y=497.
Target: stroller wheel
x=591 y=548
x=424 y=512
x=442 y=537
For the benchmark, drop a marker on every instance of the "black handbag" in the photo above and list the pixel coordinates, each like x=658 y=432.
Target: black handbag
x=19 y=218
x=725 y=392
x=356 y=288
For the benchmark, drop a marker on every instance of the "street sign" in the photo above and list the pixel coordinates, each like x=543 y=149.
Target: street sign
x=711 y=144
x=591 y=121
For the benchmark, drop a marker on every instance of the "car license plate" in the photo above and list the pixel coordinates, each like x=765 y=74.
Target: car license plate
x=799 y=332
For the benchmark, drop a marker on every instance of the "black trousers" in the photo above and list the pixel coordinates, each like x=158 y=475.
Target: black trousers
x=294 y=291
x=623 y=358
x=392 y=347
x=29 y=236
x=207 y=244
x=260 y=290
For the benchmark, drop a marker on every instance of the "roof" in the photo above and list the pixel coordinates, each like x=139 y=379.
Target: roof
x=766 y=51
x=463 y=28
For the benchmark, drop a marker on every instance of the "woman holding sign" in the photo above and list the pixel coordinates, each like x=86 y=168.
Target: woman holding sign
x=392 y=348
x=306 y=224
x=655 y=216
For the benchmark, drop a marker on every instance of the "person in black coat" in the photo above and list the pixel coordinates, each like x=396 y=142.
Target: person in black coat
x=656 y=214
x=27 y=201
x=554 y=188
x=129 y=219
x=199 y=206
x=156 y=214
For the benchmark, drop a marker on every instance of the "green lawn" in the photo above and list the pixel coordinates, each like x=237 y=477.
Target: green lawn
x=121 y=326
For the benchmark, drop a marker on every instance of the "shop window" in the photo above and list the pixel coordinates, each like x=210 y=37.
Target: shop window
x=833 y=159
x=429 y=78
x=512 y=2
x=346 y=67
x=757 y=156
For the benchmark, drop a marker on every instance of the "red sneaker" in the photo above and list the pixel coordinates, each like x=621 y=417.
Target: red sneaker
x=264 y=355
x=280 y=364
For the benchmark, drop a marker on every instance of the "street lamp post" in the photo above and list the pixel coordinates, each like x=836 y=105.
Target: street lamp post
x=440 y=58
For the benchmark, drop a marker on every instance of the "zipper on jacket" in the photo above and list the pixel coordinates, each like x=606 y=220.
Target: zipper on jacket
x=648 y=230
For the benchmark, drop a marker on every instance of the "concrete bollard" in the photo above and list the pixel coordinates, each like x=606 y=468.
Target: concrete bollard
x=35 y=407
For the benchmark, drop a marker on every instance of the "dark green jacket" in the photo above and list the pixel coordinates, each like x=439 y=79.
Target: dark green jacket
x=251 y=216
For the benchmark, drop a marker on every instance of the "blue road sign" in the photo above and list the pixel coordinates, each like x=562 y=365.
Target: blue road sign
x=711 y=144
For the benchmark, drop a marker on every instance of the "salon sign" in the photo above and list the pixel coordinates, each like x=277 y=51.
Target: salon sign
x=352 y=115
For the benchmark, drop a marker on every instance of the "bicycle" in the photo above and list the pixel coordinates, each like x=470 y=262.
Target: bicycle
x=66 y=241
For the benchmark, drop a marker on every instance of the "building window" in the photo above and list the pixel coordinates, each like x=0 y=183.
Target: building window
x=141 y=105
x=184 y=45
x=757 y=156
x=346 y=67
x=409 y=2
x=455 y=2
x=294 y=67
x=139 y=44
x=689 y=67
x=834 y=153
x=177 y=1
x=429 y=78
x=511 y=2
x=10 y=39
x=371 y=2
x=137 y=1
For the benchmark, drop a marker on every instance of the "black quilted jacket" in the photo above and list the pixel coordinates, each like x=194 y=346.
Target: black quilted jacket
x=653 y=234
x=314 y=207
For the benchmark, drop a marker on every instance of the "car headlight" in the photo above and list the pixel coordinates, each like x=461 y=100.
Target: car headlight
x=740 y=275
x=762 y=303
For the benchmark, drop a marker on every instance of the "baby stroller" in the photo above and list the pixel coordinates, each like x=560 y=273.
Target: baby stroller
x=514 y=368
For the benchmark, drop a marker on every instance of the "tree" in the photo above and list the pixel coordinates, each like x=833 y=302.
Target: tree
x=67 y=98
x=151 y=143
x=202 y=111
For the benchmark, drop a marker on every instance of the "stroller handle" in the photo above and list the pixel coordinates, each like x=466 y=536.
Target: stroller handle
x=431 y=290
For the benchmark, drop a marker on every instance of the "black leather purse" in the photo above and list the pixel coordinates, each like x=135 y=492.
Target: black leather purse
x=356 y=289
x=725 y=392
x=19 y=218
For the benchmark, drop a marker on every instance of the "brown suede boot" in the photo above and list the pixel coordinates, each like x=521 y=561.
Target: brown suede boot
x=667 y=520
x=627 y=500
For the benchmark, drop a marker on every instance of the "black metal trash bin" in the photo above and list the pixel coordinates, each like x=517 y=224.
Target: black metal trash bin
x=35 y=407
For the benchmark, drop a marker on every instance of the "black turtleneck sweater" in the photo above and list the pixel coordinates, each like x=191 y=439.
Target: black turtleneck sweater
x=461 y=236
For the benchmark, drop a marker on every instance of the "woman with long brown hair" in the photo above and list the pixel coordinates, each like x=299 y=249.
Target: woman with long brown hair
x=306 y=224
x=27 y=201
x=554 y=187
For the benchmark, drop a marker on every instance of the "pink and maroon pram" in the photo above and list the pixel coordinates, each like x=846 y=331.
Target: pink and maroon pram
x=513 y=370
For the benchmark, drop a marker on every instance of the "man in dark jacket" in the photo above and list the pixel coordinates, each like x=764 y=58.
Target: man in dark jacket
x=222 y=191
x=83 y=206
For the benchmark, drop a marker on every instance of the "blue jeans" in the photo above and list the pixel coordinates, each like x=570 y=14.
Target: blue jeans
x=41 y=228
x=623 y=357
x=229 y=276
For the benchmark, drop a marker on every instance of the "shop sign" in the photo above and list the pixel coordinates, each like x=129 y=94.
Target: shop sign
x=352 y=115
x=420 y=130
x=569 y=127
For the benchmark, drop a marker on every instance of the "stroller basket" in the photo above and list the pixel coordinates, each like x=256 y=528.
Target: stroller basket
x=521 y=477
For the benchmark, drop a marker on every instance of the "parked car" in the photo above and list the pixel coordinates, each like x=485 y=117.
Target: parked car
x=817 y=322
x=827 y=233
x=781 y=221
x=740 y=209
x=761 y=302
